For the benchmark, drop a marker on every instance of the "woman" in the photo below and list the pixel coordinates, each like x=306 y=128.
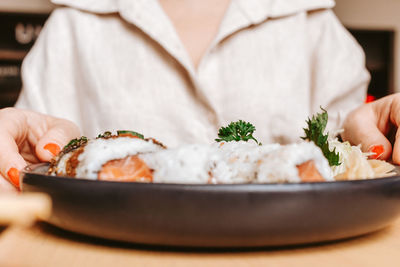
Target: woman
x=178 y=70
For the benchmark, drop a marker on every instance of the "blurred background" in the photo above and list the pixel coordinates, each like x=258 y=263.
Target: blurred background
x=373 y=23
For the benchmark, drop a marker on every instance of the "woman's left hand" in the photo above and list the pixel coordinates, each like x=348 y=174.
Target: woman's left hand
x=370 y=125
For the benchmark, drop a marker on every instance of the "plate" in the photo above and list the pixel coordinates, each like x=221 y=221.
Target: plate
x=229 y=216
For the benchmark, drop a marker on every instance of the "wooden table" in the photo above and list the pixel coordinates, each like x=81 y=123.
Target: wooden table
x=43 y=245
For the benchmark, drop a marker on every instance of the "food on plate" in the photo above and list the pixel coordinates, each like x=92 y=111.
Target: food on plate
x=108 y=157
x=358 y=165
x=129 y=158
x=315 y=132
x=236 y=157
x=347 y=162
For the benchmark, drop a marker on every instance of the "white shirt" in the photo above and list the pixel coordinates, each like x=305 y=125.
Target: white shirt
x=119 y=64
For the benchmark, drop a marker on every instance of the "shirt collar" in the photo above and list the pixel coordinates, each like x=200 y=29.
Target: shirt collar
x=147 y=15
x=150 y=18
x=95 y=6
x=257 y=10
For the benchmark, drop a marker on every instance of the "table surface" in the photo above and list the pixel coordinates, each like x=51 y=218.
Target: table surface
x=44 y=245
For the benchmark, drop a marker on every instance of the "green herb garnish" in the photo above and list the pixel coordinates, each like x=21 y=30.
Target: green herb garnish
x=75 y=143
x=315 y=132
x=237 y=131
x=105 y=135
x=123 y=132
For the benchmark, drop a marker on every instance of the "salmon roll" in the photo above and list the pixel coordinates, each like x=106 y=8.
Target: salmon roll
x=108 y=157
x=242 y=162
x=239 y=162
x=128 y=157
x=294 y=163
x=188 y=164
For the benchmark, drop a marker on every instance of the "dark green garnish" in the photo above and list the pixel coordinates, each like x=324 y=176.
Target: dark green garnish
x=237 y=131
x=75 y=143
x=123 y=132
x=315 y=133
x=105 y=135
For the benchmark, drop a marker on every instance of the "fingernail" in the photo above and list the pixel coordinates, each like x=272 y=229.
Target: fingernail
x=52 y=148
x=377 y=150
x=13 y=175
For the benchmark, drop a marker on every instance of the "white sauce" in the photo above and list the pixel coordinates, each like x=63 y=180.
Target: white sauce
x=99 y=151
x=280 y=166
x=220 y=163
x=187 y=164
x=234 y=162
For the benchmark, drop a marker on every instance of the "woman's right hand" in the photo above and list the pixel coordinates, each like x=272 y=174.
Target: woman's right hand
x=28 y=137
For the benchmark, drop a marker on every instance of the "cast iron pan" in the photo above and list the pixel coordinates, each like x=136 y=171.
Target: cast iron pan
x=231 y=216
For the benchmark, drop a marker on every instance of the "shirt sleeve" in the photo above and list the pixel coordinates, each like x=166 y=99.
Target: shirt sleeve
x=339 y=78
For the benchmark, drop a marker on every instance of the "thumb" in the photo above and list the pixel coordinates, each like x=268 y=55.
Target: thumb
x=60 y=132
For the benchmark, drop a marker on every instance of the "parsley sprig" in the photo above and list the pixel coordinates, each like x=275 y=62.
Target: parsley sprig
x=237 y=131
x=315 y=133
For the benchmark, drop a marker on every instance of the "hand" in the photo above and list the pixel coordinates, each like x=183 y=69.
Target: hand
x=370 y=125
x=28 y=137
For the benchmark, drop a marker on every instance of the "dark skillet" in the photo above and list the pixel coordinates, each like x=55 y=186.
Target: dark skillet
x=241 y=215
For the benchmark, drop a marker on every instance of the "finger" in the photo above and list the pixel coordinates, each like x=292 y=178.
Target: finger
x=59 y=134
x=12 y=130
x=11 y=162
x=6 y=186
x=395 y=120
x=361 y=127
x=373 y=138
x=396 y=149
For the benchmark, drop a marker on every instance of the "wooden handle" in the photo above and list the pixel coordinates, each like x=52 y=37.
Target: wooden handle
x=24 y=209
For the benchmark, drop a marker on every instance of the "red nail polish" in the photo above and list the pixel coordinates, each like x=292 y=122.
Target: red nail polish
x=13 y=175
x=377 y=150
x=52 y=148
